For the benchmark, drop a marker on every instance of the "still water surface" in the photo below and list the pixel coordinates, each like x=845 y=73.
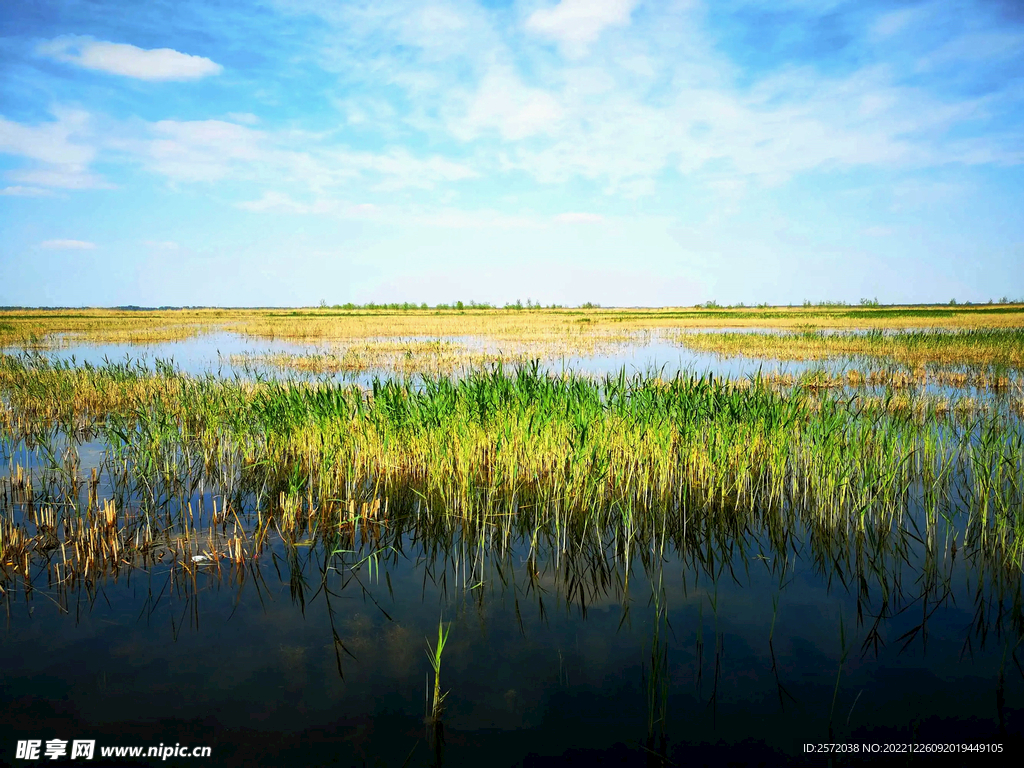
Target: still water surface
x=698 y=646
x=222 y=354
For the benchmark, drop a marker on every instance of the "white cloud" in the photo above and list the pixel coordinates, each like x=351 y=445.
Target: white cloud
x=978 y=46
x=19 y=191
x=575 y=24
x=282 y=203
x=454 y=218
x=68 y=245
x=579 y=218
x=893 y=22
x=662 y=98
x=198 y=150
x=246 y=118
x=665 y=97
x=450 y=92
x=128 y=60
x=49 y=142
x=213 y=150
x=278 y=201
x=504 y=103
x=921 y=193
x=792 y=122
x=399 y=169
x=62 y=150
x=62 y=177
x=400 y=215
x=879 y=231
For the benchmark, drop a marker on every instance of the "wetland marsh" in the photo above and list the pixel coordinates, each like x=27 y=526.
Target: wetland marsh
x=415 y=537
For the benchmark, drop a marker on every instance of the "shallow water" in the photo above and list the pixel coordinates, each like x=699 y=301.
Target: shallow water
x=196 y=355
x=213 y=353
x=313 y=656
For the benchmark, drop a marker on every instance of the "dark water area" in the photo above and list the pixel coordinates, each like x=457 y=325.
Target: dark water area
x=726 y=650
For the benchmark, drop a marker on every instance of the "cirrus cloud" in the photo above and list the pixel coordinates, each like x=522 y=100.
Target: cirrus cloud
x=68 y=245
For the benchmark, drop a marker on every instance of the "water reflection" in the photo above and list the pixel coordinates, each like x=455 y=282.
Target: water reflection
x=758 y=633
x=210 y=600
x=232 y=355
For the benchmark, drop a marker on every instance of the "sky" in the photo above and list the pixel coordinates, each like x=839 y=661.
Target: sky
x=621 y=152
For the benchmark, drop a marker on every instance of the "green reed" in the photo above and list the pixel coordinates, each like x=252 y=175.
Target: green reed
x=577 y=452
x=434 y=656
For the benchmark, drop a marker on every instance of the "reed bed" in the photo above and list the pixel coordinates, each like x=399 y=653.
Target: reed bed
x=66 y=545
x=918 y=379
x=514 y=484
x=37 y=389
x=579 y=328
x=441 y=357
x=395 y=357
x=991 y=346
x=435 y=357
x=616 y=454
x=54 y=329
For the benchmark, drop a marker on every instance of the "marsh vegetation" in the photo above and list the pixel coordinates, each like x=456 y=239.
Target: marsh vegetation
x=662 y=553
x=54 y=328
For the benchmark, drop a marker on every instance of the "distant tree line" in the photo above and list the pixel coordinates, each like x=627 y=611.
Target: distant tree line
x=456 y=305
x=863 y=302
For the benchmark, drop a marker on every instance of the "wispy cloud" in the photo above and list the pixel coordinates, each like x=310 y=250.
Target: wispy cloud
x=503 y=104
x=198 y=150
x=981 y=46
x=279 y=201
x=661 y=97
x=68 y=245
x=649 y=107
x=62 y=151
x=879 y=231
x=61 y=177
x=19 y=191
x=398 y=215
x=575 y=24
x=398 y=168
x=128 y=60
x=52 y=142
x=579 y=218
x=420 y=125
x=893 y=22
x=246 y=118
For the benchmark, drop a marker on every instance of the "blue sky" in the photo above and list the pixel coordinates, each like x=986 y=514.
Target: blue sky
x=615 y=151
